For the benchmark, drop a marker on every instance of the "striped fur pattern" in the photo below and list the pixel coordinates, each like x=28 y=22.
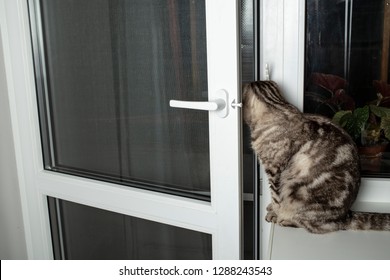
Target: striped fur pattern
x=311 y=163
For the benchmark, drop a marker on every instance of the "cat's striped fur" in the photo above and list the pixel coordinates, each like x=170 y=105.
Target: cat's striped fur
x=311 y=163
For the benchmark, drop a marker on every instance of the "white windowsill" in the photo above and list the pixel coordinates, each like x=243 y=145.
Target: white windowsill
x=363 y=206
x=292 y=243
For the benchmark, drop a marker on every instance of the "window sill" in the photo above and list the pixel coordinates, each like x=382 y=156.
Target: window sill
x=363 y=206
x=292 y=243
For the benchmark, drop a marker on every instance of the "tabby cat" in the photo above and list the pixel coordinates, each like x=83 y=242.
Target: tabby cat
x=311 y=163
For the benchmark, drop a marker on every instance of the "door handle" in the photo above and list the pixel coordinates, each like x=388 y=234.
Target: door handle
x=218 y=105
x=213 y=105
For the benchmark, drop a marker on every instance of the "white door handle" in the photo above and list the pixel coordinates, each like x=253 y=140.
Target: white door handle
x=199 y=105
x=219 y=105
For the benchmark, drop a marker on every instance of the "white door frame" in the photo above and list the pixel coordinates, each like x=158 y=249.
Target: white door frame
x=222 y=217
x=283 y=48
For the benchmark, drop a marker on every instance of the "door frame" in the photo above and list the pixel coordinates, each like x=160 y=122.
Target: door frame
x=221 y=218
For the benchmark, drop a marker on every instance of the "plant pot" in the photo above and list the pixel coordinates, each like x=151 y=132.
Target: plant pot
x=372 y=151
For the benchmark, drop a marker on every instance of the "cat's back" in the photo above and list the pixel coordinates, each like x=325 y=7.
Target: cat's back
x=314 y=130
x=325 y=150
x=322 y=128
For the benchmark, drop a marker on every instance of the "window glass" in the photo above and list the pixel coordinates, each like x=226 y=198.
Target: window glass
x=346 y=73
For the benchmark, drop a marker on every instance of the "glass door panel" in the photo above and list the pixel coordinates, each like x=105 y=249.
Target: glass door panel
x=87 y=233
x=109 y=69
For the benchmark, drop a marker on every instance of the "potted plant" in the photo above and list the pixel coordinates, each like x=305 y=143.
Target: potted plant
x=369 y=126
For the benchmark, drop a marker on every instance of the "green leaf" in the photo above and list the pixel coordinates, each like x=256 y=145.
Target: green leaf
x=385 y=125
x=357 y=122
x=353 y=122
x=352 y=128
x=380 y=111
x=340 y=117
x=361 y=116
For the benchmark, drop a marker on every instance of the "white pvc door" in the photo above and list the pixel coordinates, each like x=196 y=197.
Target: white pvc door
x=90 y=85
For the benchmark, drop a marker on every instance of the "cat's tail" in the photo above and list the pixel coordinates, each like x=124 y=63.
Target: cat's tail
x=367 y=221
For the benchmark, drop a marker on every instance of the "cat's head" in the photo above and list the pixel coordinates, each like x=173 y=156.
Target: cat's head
x=259 y=100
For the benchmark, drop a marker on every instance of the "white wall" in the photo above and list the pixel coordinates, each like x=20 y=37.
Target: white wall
x=12 y=240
